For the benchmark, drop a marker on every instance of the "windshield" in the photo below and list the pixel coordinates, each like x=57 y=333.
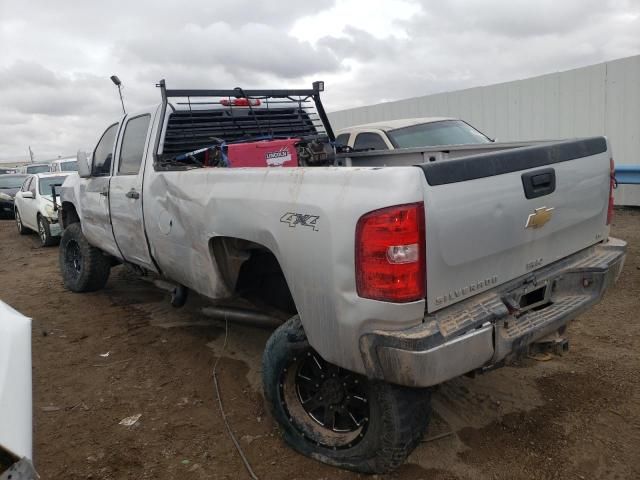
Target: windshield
x=445 y=132
x=11 y=181
x=71 y=166
x=46 y=183
x=38 y=169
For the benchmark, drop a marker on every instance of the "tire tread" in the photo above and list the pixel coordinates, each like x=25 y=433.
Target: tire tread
x=405 y=412
x=96 y=266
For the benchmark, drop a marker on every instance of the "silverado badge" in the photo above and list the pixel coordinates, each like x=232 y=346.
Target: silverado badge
x=539 y=217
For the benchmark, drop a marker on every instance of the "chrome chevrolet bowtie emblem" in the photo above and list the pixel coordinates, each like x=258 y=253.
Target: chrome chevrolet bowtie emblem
x=539 y=217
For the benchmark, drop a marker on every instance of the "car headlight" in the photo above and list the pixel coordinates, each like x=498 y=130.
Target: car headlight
x=50 y=211
x=4 y=196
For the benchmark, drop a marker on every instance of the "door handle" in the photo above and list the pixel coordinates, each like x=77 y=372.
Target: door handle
x=539 y=182
x=104 y=193
x=132 y=194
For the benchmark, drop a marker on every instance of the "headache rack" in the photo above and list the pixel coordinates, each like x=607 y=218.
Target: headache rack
x=200 y=118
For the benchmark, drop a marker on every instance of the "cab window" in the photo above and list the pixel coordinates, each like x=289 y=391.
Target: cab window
x=132 y=149
x=342 y=140
x=369 y=141
x=103 y=154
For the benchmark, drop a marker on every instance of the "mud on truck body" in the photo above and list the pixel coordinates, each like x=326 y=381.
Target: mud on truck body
x=399 y=270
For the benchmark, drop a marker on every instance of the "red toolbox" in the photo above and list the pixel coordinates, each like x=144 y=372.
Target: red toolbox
x=265 y=153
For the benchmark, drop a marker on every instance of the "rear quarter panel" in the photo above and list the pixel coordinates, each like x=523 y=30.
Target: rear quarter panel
x=185 y=210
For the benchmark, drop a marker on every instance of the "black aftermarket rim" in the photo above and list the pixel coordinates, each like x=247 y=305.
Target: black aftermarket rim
x=73 y=257
x=335 y=399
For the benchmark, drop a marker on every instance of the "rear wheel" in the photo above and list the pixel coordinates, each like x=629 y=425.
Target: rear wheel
x=44 y=231
x=84 y=268
x=22 y=230
x=334 y=415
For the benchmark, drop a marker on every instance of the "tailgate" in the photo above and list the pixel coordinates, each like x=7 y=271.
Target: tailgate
x=494 y=217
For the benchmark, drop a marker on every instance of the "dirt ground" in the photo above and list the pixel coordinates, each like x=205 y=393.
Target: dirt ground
x=571 y=417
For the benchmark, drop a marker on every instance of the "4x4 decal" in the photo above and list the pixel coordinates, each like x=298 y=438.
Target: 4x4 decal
x=294 y=219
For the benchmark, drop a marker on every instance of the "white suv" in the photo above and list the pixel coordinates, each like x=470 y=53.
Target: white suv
x=35 y=208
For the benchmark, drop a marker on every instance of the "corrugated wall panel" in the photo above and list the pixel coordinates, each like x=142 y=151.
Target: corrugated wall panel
x=601 y=99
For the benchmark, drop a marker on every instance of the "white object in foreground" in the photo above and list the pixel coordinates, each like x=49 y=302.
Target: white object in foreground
x=15 y=384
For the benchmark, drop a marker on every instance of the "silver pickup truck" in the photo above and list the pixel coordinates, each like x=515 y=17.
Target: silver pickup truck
x=399 y=270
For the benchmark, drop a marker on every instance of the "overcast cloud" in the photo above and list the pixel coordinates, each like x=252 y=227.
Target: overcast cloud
x=56 y=96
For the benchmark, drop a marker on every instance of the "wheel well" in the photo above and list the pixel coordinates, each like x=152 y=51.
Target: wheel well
x=252 y=271
x=68 y=214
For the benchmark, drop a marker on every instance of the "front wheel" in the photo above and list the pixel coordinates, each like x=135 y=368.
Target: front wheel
x=44 y=231
x=334 y=415
x=84 y=268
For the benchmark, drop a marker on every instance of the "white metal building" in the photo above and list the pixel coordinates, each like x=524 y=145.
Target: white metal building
x=601 y=99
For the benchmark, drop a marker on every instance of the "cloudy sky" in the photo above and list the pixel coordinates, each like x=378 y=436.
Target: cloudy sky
x=57 y=56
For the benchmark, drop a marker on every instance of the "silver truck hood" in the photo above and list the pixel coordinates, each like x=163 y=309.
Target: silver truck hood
x=15 y=382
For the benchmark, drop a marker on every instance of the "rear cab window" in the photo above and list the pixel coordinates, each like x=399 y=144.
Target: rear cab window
x=133 y=143
x=103 y=154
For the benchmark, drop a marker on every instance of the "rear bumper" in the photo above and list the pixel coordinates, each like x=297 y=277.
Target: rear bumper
x=486 y=329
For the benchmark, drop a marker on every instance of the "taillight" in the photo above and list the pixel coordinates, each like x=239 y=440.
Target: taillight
x=390 y=254
x=612 y=185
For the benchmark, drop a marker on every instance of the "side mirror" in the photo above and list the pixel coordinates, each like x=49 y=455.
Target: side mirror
x=27 y=194
x=84 y=170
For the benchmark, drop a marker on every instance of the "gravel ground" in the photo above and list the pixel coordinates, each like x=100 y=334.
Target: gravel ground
x=570 y=417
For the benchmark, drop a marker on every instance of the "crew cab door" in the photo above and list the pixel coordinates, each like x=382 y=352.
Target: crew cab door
x=94 y=195
x=125 y=193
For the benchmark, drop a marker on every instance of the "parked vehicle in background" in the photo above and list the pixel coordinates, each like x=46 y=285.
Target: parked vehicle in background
x=65 y=165
x=15 y=396
x=35 y=208
x=409 y=133
x=395 y=278
x=9 y=186
x=33 y=168
x=4 y=171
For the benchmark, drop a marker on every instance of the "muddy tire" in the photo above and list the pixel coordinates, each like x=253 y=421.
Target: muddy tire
x=44 y=232
x=336 y=416
x=22 y=230
x=84 y=268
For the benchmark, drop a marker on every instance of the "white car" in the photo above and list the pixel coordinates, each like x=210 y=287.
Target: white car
x=15 y=395
x=65 y=165
x=409 y=133
x=35 y=208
